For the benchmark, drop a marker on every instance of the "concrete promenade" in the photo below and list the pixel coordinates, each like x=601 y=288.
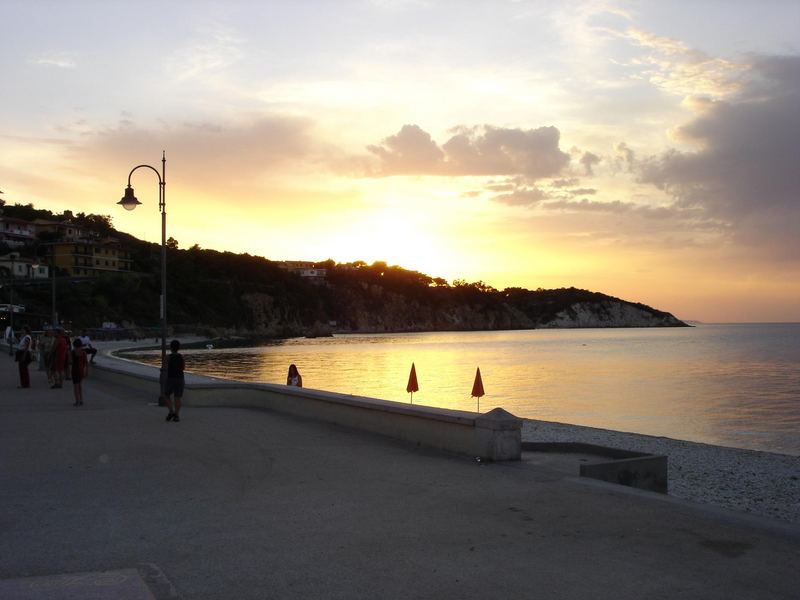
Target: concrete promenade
x=237 y=503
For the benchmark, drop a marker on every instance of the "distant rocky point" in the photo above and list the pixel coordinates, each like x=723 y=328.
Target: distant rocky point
x=376 y=309
x=612 y=313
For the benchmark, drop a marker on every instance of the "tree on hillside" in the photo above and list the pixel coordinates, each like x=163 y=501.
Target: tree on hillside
x=97 y=223
x=26 y=212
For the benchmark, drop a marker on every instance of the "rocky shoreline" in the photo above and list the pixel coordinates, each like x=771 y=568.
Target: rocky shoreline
x=761 y=483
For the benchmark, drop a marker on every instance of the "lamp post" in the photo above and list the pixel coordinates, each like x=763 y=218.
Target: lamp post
x=49 y=258
x=54 y=315
x=11 y=307
x=129 y=202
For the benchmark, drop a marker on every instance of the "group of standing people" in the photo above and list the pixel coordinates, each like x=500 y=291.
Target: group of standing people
x=64 y=357
x=61 y=356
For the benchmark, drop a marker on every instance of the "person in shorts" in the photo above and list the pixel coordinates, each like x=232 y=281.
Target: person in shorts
x=173 y=386
x=90 y=350
x=78 y=370
x=60 y=351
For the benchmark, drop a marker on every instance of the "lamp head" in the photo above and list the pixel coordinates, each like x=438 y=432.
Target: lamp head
x=129 y=201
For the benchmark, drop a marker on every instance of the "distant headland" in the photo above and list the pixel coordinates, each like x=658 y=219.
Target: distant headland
x=105 y=275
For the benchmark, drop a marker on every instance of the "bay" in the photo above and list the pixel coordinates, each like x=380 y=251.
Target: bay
x=732 y=385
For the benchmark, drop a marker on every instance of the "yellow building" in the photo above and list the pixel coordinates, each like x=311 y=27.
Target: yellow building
x=89 y=258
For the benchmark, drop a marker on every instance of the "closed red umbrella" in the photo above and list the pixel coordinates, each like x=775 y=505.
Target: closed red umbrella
x=477 y=388
x=412 y=386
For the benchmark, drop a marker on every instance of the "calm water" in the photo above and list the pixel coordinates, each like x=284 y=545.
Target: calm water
x=734 y=385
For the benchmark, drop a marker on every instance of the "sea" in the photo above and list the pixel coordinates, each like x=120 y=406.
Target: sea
x=733 y=385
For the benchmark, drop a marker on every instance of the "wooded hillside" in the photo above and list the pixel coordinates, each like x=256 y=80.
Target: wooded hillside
x=222 y=293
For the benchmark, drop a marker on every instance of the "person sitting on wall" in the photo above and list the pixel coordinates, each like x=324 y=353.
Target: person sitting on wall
x=90 y=350
x=294 y=378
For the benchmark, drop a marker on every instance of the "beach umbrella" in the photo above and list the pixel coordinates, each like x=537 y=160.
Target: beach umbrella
x=412 y=386
x=477 y=388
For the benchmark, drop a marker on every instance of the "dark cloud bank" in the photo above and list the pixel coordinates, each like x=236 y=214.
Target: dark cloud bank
x=747 y=172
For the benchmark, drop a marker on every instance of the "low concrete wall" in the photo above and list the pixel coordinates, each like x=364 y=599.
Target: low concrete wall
x=496 y=435
x=644 y=472
x=626 y=467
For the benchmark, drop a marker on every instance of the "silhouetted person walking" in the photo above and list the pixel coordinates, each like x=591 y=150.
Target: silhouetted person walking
x=175 y=382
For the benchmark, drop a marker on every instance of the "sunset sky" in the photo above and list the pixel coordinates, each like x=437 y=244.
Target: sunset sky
x=648 y=150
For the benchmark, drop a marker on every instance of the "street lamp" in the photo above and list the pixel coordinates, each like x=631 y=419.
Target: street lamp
x=11 y=307
x=54 y=314
x=129 y=202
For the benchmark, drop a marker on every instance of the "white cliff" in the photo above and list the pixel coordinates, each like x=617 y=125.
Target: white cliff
x=610 y=313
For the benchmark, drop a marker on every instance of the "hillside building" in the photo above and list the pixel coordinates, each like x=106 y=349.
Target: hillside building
x=16 y=232
x=91 y=258
x=20 y=267
x=305 y=269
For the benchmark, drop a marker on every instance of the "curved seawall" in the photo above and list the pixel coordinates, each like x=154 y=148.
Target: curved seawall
x=495 y=435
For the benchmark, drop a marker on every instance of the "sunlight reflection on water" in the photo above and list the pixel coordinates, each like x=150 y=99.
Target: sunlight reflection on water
x=736 y=385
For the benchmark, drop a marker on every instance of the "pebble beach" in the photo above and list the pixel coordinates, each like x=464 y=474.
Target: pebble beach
x=761 y=483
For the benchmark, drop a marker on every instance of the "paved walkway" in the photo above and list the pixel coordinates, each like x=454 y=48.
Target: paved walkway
x=234 y=503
